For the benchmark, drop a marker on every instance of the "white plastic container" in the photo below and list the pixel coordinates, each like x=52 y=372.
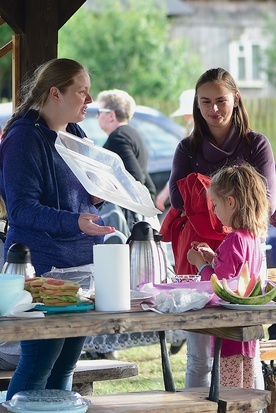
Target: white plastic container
x=102 y=173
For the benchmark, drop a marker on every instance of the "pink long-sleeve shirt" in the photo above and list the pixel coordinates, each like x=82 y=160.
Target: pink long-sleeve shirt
x=237 y=248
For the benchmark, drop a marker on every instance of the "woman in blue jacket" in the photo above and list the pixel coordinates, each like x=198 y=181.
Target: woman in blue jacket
x=47 y=207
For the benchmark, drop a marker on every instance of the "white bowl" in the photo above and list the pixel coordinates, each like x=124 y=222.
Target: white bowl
x=11 y=285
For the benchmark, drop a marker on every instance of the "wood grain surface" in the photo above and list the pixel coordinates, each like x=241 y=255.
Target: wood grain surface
x=93 y=323
x=192 y=400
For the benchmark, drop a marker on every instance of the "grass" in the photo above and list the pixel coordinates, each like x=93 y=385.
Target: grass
x=150 y=377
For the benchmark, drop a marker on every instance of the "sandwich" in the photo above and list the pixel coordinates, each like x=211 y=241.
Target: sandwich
x=55 y=292
x=33 y=285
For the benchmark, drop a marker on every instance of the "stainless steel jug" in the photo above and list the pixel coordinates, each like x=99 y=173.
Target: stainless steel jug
x=19 y=261
x=144 y=258
x=163 y=263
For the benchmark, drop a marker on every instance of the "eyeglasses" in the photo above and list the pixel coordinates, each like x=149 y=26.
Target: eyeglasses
x=103 y=110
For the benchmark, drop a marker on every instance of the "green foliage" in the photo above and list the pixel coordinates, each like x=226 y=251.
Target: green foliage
x=126 y=45
x=5 y=64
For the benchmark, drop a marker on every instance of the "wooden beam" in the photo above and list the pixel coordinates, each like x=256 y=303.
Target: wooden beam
x=13 y=12
x=37 y=23
x=5 y=49
x=15 y=70
x=67 y=9
x=39 y=42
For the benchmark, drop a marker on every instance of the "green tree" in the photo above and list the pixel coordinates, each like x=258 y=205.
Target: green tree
x=5 y=64
x=126 y=45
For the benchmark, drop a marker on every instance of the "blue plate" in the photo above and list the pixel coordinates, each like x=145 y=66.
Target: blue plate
x=80 y=307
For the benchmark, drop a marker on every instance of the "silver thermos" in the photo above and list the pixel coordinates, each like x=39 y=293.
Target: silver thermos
x=144 y=257
x=19 y=261
x=161 y=256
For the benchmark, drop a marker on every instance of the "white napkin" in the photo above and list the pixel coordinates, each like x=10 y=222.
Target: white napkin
x=22 y=304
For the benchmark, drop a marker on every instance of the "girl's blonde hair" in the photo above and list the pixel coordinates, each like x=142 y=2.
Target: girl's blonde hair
x=248 y=188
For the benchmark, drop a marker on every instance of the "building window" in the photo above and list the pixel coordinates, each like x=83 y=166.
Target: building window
x=245 y=59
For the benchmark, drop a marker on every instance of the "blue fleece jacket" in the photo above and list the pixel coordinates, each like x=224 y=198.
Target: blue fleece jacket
x=43 y=197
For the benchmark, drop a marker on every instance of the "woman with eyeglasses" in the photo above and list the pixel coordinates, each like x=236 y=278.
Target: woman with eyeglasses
x=116 y=108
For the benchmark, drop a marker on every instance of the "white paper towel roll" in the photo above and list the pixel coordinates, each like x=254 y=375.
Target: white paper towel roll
x=112 y=277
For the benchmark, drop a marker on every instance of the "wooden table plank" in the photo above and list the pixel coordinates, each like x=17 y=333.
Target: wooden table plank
x=98 y=323
x=192 y=400
x=236 y=333
x=154 y=401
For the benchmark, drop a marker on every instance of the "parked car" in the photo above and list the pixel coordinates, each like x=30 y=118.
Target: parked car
x=160 y=133
x=5 y=113
x=271 y=247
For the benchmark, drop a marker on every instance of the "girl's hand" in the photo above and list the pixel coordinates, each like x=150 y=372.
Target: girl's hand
x=195 y=257
x=206 y=252
x=196 y=244
x=87 y=225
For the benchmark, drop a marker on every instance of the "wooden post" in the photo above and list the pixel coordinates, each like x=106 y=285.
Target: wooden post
x=15 y=70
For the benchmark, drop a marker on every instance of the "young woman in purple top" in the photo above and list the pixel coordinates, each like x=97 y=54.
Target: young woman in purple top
x=221 y=136
x=238 y=194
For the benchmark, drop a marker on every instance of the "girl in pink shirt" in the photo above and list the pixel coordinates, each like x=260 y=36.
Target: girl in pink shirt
x=240 y=202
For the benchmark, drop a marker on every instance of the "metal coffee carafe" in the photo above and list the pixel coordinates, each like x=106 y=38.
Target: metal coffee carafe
x=19 y=261
x=144 y=258
x=161 y=256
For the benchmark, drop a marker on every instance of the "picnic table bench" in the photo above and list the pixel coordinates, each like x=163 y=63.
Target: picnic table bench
x=88 y=371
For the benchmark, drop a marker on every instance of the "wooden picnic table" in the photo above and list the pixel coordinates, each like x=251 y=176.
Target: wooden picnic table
x=217 y=321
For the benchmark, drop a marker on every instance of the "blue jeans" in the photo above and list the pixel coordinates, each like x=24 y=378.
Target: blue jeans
x=199 y=361
x=46 y=364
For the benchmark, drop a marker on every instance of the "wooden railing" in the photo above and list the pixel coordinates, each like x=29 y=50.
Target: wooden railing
x=13 y=47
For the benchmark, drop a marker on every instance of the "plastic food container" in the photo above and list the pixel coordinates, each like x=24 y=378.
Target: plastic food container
x=49 y=401
x=102 y=173
x=186 y=278
x=11 y=286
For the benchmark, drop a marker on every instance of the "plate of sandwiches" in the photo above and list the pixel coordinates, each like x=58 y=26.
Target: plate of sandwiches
x=55 y=296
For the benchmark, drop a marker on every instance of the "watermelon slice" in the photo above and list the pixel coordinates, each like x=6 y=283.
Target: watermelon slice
x=250 y=286
x=244 y=279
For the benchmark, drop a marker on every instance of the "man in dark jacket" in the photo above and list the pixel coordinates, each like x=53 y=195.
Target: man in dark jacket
x=116 y=108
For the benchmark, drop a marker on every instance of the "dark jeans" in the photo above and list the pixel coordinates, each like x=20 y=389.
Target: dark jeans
x=46 y=364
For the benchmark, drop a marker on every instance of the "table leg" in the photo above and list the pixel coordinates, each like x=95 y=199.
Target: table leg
x=166 y=365
x=215 y=376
